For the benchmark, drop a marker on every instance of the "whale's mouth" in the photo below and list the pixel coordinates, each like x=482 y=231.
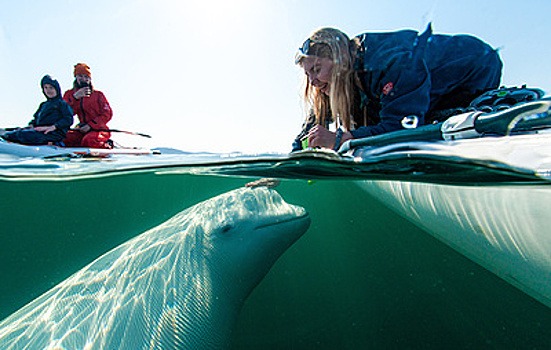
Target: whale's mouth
x=283 y=221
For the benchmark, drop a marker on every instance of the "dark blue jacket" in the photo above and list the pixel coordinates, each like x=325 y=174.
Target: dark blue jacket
x=405 y=74
x=53 y=111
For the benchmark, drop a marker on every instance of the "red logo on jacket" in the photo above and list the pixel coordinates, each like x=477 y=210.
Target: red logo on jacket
x=388 y=88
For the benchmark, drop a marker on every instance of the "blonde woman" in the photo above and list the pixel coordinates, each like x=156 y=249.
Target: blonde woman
x=387 y=81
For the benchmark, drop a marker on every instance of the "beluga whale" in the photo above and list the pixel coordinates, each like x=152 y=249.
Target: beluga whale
x=179 y=285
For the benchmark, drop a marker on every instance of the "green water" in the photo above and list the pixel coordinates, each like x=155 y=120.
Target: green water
x=360 y=278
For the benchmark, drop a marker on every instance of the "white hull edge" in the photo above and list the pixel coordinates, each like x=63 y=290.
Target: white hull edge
x=504 y=228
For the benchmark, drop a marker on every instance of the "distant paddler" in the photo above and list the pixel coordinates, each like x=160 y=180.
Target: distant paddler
x=50 y=122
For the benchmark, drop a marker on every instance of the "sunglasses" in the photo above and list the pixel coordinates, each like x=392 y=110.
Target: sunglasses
x=303 y=50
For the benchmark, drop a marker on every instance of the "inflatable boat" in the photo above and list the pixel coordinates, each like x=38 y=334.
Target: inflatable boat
x=479 y=182
x=501 y=223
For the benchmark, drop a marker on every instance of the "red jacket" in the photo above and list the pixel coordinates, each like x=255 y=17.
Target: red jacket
x=93 y=110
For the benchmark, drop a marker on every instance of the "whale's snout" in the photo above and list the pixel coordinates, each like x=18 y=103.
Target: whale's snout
x=301 y=221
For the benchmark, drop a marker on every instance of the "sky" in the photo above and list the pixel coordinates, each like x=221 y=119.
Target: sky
x=219 y=75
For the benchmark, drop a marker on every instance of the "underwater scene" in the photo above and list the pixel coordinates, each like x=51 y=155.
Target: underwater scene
x=184 y=257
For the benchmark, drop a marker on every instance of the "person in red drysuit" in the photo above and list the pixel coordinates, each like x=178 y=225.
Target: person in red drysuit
x=92 y=109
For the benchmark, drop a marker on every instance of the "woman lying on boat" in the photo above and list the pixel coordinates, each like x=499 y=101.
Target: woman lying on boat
x=387 y=81
x=51 y=121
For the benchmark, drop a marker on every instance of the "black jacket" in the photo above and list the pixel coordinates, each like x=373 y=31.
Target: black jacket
x=53 y=111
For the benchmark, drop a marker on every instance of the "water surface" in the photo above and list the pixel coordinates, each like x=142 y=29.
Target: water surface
x=361 y=277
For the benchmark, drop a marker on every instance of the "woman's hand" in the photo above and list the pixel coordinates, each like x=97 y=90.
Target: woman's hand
x=45 y=129
x=82 y=92
x=319 y=136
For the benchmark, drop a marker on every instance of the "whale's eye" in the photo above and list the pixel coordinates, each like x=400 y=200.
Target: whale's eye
x=226 y=228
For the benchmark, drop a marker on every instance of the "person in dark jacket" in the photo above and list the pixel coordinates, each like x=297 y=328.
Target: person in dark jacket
x=382 y=82
x=51 y=121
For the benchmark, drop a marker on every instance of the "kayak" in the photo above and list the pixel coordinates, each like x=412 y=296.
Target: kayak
x=18 y=150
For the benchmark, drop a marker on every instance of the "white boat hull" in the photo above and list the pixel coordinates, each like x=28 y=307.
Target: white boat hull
x=505 y=228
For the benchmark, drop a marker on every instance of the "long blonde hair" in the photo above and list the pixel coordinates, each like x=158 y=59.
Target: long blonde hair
x=333 y=44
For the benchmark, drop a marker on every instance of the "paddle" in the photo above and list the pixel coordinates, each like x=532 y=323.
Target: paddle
x=106 y=130
x=124 y=132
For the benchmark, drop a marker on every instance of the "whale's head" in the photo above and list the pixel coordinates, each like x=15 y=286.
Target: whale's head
x=178 y=285
x=245 y=231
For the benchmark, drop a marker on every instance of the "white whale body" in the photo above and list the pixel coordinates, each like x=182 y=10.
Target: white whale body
x=179 y=285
